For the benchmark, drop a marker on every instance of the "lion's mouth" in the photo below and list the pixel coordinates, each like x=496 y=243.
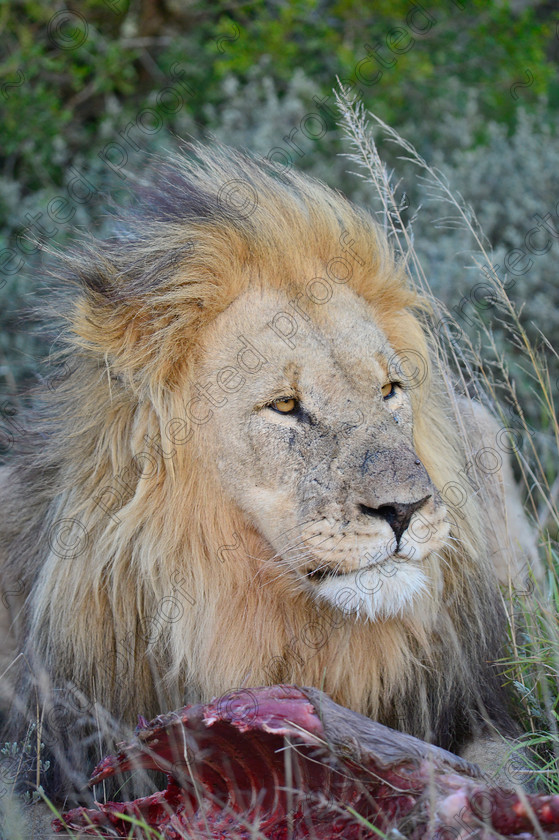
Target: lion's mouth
x=322 y=573
x=318 y=575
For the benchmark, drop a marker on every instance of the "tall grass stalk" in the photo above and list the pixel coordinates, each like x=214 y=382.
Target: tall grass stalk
x=478 y=369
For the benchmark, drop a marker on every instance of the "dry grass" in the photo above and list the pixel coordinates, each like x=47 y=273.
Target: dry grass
x=481 y=371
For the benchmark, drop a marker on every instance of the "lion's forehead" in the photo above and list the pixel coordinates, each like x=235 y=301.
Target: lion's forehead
x=339 y=339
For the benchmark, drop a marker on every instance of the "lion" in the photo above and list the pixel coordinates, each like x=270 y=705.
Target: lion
x=249 y=476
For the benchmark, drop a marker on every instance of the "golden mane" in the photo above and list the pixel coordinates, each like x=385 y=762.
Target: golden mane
x=134 y=603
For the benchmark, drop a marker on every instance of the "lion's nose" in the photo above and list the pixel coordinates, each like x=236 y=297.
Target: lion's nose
x=397 y=515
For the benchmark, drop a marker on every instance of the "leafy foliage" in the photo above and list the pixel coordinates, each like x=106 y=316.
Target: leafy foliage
x=89 y=93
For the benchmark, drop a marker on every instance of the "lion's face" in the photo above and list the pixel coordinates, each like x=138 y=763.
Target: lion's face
x=314 y=435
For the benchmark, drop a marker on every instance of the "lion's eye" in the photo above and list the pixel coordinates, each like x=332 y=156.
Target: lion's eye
x=285 y=405
x=389 y=390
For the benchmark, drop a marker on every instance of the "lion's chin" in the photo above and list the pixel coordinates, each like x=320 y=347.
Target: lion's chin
x=372 y=594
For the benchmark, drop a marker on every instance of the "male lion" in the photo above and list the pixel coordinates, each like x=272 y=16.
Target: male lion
x=250 y=476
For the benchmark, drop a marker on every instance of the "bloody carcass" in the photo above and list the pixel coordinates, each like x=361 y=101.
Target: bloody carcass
x=284 y=763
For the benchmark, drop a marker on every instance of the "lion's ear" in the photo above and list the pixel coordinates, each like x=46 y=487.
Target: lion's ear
x=145 y=341
x=107 y=328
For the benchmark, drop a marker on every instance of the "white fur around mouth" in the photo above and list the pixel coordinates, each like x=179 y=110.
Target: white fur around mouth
x=373 y=593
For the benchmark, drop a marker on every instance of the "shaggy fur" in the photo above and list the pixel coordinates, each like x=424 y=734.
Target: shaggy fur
x=154 y=574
